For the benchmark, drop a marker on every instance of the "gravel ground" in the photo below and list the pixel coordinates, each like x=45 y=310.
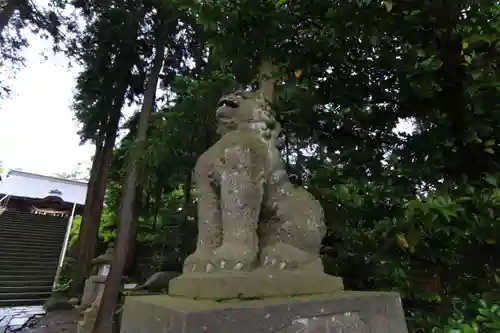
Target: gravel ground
x=54 y=322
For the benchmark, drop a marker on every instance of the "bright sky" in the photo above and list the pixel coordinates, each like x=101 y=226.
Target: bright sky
x=37 y=128
x=37 y=131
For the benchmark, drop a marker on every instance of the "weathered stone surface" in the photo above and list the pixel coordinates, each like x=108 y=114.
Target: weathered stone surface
x=342 y=312
x=344 y=322
x=249 y=213
x=89 y=316
x=93 y=286
x=74 y=301
x=252 y=285
x=158 y=281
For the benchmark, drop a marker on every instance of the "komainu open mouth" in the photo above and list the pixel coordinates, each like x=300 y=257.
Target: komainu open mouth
x=228 y=101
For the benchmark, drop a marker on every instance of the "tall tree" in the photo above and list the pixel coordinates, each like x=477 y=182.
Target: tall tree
x=109 y=55
x=105 y=317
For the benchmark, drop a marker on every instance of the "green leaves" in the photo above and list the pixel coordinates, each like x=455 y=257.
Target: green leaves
x=388 y=5
x=432 y=63
x=281 y=3
x=489 y=150
x=486 y=316
x=491 y=180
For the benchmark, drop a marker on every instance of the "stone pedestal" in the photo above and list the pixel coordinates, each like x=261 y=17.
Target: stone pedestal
x=86 y=325
x=94 y=285
x=258 y=284
x=339 y=312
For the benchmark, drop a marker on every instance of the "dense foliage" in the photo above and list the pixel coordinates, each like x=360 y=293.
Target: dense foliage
x=413 y=211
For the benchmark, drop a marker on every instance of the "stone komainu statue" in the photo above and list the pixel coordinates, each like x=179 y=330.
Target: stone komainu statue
x=249 y=213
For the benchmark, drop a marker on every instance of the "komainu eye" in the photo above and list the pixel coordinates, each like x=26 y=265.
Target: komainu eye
x=232 y=104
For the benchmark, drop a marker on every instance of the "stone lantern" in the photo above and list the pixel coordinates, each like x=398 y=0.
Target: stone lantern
x=95 y=283
x=103 y=262
x=94 y=288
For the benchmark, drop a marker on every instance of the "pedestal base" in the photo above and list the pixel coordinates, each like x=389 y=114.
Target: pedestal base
x=345 y=312
x=93 y=286
x=253 y=285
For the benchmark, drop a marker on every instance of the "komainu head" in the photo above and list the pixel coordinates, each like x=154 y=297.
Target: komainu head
x=246 y=110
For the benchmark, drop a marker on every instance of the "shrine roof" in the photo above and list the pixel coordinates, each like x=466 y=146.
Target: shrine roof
x=30 y=185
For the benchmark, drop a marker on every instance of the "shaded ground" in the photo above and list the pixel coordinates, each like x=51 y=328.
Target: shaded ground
x=33 y=319
x=54 y=322
x=16 y=317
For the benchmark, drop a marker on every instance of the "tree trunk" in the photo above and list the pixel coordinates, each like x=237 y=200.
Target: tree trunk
x=156 y=209
x=77 y=281
x=90 y=228
x=287 y=151
x=105 y=315
x=6 y=11
x=130 y=263
x=321 y=152
x=187 y=193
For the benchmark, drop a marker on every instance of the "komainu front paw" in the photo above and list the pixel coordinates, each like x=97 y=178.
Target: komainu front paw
x=234 y=257
x=198 y=262
x=282 y=256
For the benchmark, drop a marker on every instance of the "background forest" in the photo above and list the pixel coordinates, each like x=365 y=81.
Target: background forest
x=390 y=115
